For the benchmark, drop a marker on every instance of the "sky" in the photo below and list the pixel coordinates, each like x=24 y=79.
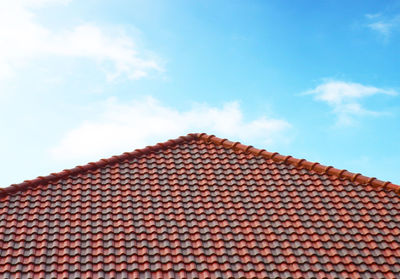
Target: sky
x=85 y=80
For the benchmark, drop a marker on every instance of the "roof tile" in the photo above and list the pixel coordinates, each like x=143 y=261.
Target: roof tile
x=200 y=207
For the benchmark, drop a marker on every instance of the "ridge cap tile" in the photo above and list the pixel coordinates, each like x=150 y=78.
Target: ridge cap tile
x=225 y=143
x=93 y=165
x=303 y=163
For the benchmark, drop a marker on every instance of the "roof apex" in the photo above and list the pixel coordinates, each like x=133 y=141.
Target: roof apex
x=289 y=160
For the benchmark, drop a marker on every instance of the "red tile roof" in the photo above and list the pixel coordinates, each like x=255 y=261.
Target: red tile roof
x=199 y=207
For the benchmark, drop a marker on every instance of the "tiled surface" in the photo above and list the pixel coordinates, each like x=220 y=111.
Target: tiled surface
x=199 y=210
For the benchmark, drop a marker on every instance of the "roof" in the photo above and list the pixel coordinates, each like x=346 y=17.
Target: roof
x=199 y=207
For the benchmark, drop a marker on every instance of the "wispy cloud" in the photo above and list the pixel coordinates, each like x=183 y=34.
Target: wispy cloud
x=345 y=97
x=23 y=39
x=124 y=126
x=383 y=25
x=372 y=16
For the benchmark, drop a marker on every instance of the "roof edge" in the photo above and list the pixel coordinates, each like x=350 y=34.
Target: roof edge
x=289 y=160
x=93 y=165
x=302 y=163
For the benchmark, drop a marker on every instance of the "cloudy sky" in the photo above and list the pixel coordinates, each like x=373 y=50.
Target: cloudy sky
x=84 y=80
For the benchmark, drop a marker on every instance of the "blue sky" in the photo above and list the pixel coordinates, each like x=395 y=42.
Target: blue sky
x=84 y=80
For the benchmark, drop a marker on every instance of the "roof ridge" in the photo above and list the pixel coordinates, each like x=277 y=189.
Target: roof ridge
x=94 y=165
x=303 y=163
x=289 y=160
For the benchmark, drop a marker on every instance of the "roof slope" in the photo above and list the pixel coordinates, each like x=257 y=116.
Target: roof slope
x=200 y=207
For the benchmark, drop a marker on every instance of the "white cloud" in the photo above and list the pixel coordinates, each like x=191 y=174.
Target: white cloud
x=123 y=127
x=383 y=25
x=23 y=38
x=38 y=3
x=345 y=97
x=339 y=92
x=371 y=16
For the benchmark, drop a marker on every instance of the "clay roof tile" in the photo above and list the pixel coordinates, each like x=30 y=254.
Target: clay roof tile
x=200 y=206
